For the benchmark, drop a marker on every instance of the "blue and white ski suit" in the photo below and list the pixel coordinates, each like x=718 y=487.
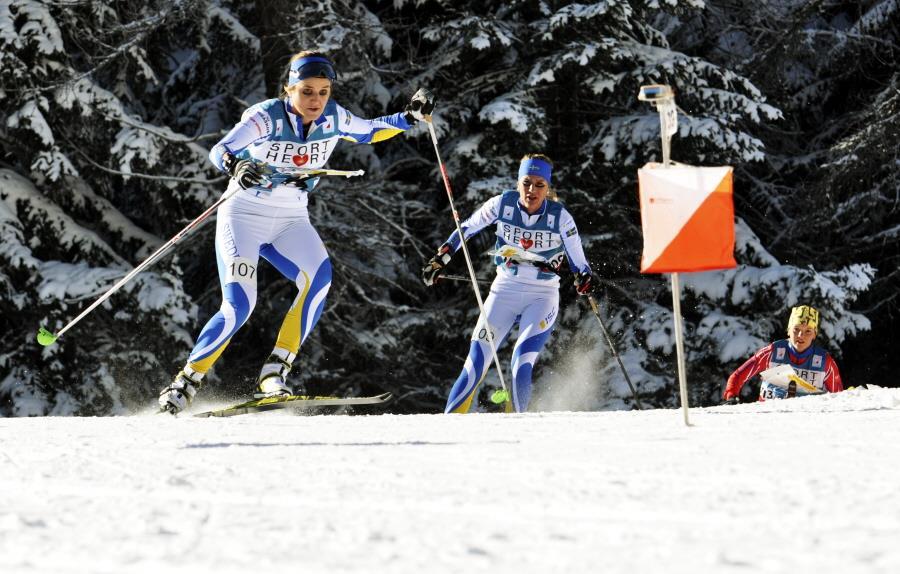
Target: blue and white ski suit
x=275 y=223
x=521 y=292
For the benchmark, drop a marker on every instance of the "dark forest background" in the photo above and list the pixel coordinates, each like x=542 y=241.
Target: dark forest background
x=108 y=109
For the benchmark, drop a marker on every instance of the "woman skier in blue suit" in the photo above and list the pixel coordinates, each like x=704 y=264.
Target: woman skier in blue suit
x=300 y=130
x=534 y=235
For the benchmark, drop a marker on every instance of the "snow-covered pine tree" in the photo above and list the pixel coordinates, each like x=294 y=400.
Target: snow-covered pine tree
x=825 y=196
x=100 y=161
x=846 y=204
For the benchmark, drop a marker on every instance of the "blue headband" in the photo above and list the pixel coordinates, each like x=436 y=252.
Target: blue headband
x=535 y=166
x=311 y=67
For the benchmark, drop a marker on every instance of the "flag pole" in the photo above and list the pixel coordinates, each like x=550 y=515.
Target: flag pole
x=662 y=97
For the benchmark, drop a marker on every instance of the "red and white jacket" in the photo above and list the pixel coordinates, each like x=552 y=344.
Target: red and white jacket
x=814 y=365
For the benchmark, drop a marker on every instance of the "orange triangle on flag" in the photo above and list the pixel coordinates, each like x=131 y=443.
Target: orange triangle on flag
x=705 y=239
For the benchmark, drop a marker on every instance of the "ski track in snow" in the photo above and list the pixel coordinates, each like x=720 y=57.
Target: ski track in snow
x=803 y=485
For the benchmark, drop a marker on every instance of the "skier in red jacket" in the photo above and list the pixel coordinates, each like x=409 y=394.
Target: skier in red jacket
x=812 y=364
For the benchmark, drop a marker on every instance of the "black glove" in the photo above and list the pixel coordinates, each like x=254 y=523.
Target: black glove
x=243 y=171
x=585 y=284
x=421 y=105
x=435 y=266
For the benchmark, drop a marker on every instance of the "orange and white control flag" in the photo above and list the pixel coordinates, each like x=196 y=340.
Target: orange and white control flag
x=687 y=216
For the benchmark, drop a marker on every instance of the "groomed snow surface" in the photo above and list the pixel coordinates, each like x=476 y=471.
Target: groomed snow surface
x=803 y=485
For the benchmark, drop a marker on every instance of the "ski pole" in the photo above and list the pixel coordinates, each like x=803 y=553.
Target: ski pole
x=500 y=396
x=302 y=173
x=45 y=337
x=316 y=172
x=612 y=347
x=461 y=278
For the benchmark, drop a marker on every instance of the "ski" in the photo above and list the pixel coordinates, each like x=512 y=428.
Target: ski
x=294 y=402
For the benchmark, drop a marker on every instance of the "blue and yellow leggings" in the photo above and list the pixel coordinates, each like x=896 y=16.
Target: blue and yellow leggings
x=283 y=236
x=535 y=310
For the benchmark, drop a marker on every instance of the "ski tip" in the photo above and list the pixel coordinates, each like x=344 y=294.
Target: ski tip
x=45 y=337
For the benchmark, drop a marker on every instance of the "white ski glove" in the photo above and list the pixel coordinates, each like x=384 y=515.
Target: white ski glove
x=421 y=105
x=435 y=266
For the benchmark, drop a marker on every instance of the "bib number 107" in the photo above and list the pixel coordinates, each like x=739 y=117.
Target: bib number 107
x=240 y=270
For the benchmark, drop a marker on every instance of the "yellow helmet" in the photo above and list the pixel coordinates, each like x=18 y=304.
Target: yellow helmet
x=804 y=314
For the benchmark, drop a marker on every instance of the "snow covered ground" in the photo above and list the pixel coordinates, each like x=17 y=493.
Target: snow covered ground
x=804 y=485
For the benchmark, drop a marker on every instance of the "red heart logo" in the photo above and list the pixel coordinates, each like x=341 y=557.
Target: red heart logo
x=300 y=159
x=526 y=243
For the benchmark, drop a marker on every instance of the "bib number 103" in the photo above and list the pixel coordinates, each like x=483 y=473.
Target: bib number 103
x=483 y=331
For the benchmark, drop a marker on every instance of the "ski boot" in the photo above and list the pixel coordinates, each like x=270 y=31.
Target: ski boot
x=179 y=394
x=273 y=375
